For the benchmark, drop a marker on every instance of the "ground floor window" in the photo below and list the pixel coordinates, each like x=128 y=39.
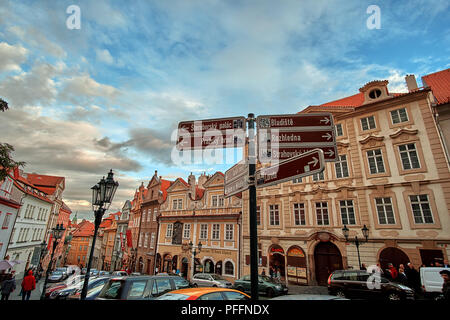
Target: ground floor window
x=229 y=268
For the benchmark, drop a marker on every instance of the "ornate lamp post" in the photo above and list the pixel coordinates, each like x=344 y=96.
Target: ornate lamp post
x=57 y=233
x=356 y=241
x=194 y=253
x=102 y=195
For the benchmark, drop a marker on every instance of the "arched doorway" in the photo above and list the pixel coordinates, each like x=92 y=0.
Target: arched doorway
x=197 y=266
x=296 y=265
x=158 y=263
x=327 y=258
x=209 y=266
x=276 y=259
x=394 y=256
x=184 y=267
x=219 y=268
x=167 y=263
x=174 y=264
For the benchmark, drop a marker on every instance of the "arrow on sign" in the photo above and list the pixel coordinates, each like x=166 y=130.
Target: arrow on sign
x=326 y=120
x=315 y=161
x=328 y=136
x=329 y=153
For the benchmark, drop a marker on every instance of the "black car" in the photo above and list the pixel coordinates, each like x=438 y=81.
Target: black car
x=141 y=287
x=359 y=284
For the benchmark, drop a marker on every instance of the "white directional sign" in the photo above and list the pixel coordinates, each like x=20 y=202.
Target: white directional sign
x=236 y=179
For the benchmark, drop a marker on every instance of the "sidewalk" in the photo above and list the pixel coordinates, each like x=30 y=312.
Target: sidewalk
x=35 y=294
x=293 y=289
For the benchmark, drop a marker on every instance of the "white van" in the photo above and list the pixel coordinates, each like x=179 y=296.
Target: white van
x=431 y=281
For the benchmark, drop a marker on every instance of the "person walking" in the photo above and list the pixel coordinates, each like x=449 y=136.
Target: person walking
x=271 y=272
x=263 y=272
x=363 y=267
x=413 y=277
x=445 y=274
x=393 y=271
x=28 y=285
x=8 y=286
x=402 y=278
x=446 y=265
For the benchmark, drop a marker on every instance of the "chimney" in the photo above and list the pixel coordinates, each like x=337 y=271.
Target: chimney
x=191 y=182
x=411 y=82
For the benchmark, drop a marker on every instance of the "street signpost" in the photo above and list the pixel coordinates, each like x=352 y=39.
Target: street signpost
x=297 y=145
x=281 y=137
x=305 y=164
x=211 y=133
x=236 y=179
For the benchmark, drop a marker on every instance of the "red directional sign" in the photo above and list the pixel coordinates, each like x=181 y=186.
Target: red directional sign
x=211 y=133
x=283 y=136
x=305 y=164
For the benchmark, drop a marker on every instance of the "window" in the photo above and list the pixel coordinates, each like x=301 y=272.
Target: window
x=187 y=230
x=169 y=230
x=318 y=176
x=229 y=230
x=146 y=240
x=341 y=167
x=143 y=214
x=322 y=213
x=339 y=131
x=6 y=221
x=152 y=240
x=177 y=204
x=149 y=215
x=421 y=209
x=368 y=123
x=211 y=296
x=161 y=286
x=408 y=154
x=376 y=164
x=274 y=215
x=137 y=289
x=258 y=215
x=216 y=231
x=375 y=93
x=347 y=212
x=214 y=201
x=385 y=210
x=229 y=268
x=155 y=213
x=299 y=214
x=232 y=295
x=297 y=180
x=140 y=239
x=399 y=115
x=203 y=231
x=221 y=201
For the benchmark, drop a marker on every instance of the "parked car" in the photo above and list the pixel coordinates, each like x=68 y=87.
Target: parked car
x=120 y=273
x=308 y=297
x=431 y=281
x=205 y=294
x=57 y=276
x=210 y=280
x=266 y=286
x=357 y=284
x=91 y=294
x=135 y=274
x=104 y=273
x=63 y=293
x=70 y=281
x=140 y=287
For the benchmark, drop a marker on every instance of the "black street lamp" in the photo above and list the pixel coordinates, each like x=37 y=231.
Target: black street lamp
x=356 y=241
x=194 y=253
x=57 y=234
x=102 y=195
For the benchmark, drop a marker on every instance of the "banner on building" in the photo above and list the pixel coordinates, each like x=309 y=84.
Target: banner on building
x=122 y=244
x=129 y=240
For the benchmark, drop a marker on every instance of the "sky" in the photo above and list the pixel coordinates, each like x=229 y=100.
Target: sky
x=110 y=94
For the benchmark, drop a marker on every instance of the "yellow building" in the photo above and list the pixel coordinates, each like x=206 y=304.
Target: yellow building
x=392 y=176
x=199 y=213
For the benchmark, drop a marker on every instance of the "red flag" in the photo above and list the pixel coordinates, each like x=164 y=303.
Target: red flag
x=129 y=241
x=49 y=242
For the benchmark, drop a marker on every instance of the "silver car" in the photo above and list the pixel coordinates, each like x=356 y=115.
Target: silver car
x=210 y=280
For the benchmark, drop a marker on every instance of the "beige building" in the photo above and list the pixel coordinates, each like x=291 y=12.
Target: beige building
x=198 y=212
x=392 y=176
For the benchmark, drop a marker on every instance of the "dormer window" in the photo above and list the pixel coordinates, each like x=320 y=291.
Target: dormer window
x=375 y=93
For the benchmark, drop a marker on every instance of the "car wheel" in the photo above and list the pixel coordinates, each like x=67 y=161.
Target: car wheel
x=214 y=286
x=195 y=285
x=393 y=296
x=270 y=292
x=340 y=294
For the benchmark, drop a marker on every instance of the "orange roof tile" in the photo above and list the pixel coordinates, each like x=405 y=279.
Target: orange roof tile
x=440 y=85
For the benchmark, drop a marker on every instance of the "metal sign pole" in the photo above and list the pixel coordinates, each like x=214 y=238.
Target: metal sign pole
x=252 y=208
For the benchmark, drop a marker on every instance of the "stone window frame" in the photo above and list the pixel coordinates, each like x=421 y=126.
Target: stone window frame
x=339 y=212
x=215 y=232
x=393 y=125
x=340 y=124
x=186 y=231
x=385 y=194
x=279 y=215
x=349 y=174
x=305 y=213
x=419 y=151
x=207 y=229
x=329 y=212
x=369 y=131
x=434 y=210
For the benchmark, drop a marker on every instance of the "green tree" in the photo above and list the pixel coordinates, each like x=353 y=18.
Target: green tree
x=6 y=161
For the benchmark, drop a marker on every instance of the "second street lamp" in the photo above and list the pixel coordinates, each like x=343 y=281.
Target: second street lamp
x=356 y=241
x=194 y=253
x=57 y=233
x=102 y=195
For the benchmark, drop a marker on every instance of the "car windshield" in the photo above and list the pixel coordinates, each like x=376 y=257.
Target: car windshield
x=217 y=277
x=266 y=278
x=57 y=273
x=112 y=290
x=172 y=296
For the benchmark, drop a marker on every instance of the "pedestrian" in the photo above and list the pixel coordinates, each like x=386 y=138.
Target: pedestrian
x=278 y=274
x=413 y=277
x=28 y=285
x=8 y=286
x=363 y=267
x=393 y=272
x=445 y=274
x=263 y=273
x=432 y=264
x=446 y=265
x=437 y=264
x=402 y=278
x=271 y=272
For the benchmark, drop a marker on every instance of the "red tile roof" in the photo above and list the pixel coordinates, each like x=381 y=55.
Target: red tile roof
x=199 y=193
x=34 y=191
x=85 y=229
x=165 y=184
x=440 y=85
x=45 y=183
x=351 y=101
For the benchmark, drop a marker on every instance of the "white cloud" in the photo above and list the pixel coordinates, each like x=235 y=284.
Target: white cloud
x=104 y=56
x=12 y=56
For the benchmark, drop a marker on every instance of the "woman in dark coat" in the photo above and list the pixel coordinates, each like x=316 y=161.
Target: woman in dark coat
x=8 y=286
